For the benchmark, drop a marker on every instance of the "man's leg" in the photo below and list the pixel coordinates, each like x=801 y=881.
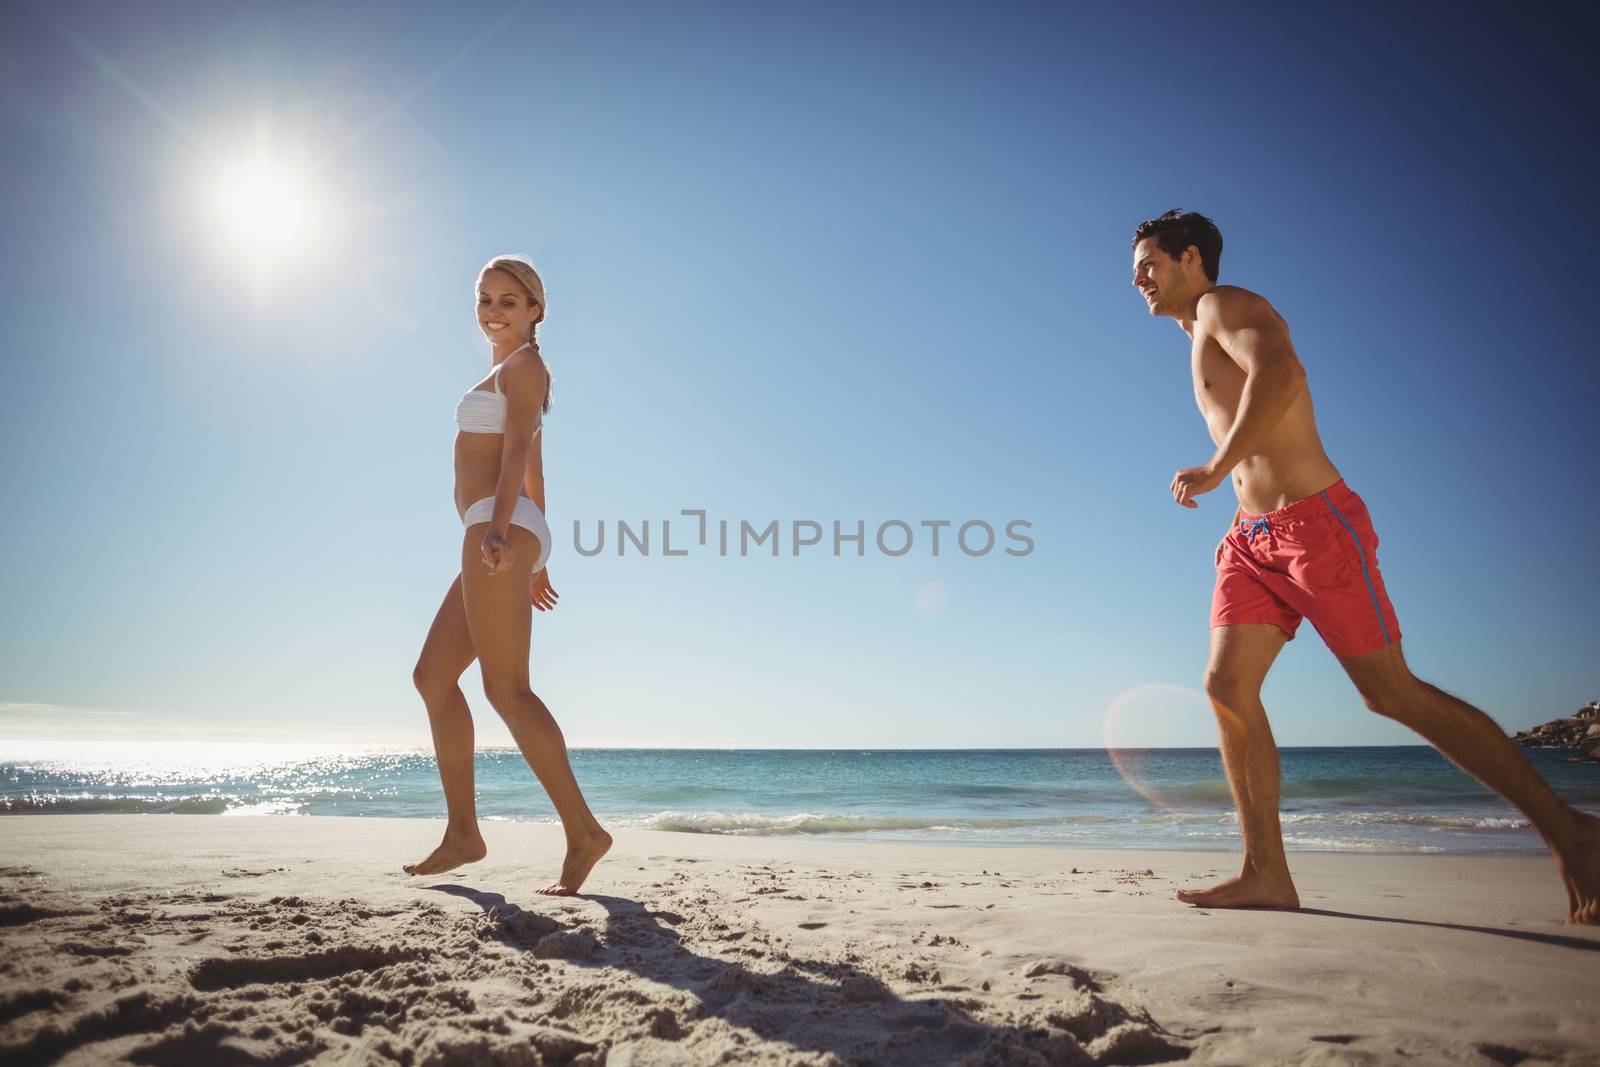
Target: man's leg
x=1475 y=743
x=1240 y=658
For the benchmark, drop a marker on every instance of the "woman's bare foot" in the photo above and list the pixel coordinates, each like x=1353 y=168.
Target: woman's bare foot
x=1252 y=889
x=1580 y=870
x=453 y=851
x=580 y=860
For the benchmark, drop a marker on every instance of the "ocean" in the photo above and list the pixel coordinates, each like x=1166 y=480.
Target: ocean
x=1382 y=799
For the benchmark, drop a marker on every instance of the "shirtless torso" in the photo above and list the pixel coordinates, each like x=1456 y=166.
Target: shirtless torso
x=1287 y=461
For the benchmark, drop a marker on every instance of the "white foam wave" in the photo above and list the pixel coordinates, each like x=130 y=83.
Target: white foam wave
x=1406 y=818
x=754 y=823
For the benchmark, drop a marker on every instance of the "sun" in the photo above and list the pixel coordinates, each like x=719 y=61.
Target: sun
x=262 y=206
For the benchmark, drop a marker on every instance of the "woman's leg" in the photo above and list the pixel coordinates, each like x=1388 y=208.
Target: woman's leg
x=446 y=654
x=499 y=617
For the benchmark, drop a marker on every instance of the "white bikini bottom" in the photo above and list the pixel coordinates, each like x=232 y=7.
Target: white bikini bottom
x=527 y=515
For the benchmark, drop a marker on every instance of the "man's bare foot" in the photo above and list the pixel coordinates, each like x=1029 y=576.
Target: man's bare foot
x=1252 y=889
x=1580 y=870
x=580 y=860
x=453 y=851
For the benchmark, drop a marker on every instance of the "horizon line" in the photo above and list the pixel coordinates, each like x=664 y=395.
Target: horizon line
x=422 y=745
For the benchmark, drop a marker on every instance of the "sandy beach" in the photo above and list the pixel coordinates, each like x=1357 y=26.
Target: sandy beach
x=215 y=940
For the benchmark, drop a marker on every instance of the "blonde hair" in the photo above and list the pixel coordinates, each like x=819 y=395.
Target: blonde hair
x=521 y=268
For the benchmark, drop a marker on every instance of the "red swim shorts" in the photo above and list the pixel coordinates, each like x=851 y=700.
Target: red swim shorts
x=1316 y=559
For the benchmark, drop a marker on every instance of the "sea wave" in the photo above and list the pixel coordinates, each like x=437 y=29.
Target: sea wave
x=1407 y=818
x=1338 y=819
x=46 y=804
x=1332 y=843
x=814 y=823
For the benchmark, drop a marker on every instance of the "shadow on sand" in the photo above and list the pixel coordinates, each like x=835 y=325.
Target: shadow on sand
x=1559 y=940
x=819 y=1006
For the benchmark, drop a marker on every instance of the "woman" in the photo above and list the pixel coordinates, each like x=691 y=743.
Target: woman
x=486 y=615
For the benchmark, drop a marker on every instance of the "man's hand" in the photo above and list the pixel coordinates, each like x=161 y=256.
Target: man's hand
x=544 y=597
x=1193 y=481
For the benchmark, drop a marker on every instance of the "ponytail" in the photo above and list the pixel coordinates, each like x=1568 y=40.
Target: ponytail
x=521 y=268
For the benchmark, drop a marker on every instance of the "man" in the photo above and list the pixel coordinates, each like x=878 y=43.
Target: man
x=1302 y=546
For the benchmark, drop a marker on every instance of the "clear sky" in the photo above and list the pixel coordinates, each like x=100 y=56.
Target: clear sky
x=829 y=262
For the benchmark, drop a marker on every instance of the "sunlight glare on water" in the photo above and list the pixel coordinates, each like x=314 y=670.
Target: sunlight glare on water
x=157 y=761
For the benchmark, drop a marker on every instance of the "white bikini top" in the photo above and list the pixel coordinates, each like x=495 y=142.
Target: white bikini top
x=483 y=410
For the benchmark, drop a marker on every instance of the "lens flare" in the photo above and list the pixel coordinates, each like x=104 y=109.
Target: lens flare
x=1146 y=719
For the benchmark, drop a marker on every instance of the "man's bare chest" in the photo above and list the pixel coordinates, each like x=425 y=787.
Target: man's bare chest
x=1218 y=380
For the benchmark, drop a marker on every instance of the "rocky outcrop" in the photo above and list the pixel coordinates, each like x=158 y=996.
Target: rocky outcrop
x=1580 y=730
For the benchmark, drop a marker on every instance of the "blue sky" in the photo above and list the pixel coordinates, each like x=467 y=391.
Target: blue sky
x=813 y=263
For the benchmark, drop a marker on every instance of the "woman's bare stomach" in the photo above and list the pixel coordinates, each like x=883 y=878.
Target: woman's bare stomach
x=477 y=468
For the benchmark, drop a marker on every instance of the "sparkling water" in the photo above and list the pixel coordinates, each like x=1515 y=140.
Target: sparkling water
x=1379 y=799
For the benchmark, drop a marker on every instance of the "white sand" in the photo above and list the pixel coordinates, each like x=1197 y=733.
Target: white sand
x=212 y=940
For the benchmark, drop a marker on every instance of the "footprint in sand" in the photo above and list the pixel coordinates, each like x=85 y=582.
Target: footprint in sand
x=223 y=973
x=22 y=914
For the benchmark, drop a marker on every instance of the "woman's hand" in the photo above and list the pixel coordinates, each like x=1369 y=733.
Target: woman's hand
x=544 y=597
x=497 y=552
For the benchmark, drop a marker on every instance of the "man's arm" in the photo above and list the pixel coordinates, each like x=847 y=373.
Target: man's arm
x=1254 y=337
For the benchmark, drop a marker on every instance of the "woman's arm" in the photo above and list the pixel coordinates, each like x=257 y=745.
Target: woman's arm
x=533 y=474
x=523 y=381
x=539 y=589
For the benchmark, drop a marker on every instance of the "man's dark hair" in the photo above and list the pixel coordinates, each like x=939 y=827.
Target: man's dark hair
x=1177 y=230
